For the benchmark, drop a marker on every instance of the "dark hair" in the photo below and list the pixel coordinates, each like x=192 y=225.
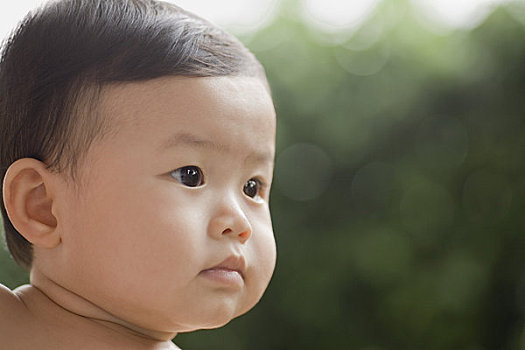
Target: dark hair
x=55 y=64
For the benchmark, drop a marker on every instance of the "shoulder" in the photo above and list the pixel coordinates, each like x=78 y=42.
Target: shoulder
x=8 y=301
x=12 y=314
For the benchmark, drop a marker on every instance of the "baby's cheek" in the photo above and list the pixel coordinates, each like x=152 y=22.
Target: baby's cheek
x=260 y=270
x=265 y=251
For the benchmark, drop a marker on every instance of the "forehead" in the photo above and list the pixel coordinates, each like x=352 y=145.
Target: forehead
x=184 y=92
x=218 y=111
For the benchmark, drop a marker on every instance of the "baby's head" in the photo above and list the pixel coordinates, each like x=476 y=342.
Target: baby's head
x=136 y=156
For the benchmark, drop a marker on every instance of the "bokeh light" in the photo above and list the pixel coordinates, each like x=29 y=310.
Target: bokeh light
x=372 y=187
x=12 y=12
x=443 y=15
x=303 y=171
x=240 y=16
x=398 y=195
x=336 y=15
x=427 y=209
x=364 y=62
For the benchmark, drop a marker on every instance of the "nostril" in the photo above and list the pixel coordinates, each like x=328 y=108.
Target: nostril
x=244 y=235
x=228 y=230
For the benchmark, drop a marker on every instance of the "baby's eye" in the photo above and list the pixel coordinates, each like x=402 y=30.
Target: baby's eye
x=252 y=188
x=190 y=176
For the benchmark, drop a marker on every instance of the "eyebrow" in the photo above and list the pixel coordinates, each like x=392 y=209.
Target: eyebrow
x=187 y=139
x=194 y=141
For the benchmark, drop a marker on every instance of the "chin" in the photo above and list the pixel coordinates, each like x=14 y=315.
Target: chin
x=211 y=319
x=208 y=324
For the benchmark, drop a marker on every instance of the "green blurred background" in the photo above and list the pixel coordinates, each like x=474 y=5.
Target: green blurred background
x=399 y=185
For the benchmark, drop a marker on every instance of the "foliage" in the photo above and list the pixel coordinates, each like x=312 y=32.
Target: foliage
x=397 y=201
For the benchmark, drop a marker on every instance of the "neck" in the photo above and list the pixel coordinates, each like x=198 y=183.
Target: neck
x=54 y=301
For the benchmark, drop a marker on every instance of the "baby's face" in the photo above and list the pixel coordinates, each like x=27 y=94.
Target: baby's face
x=172 y=229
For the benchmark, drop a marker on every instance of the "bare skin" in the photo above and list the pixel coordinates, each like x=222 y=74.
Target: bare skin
x=169 y=232
x=47 y=325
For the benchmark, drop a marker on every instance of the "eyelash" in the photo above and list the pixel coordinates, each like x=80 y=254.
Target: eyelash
x=189 y=171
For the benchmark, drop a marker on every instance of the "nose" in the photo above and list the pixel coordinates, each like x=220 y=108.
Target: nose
x=229 y=220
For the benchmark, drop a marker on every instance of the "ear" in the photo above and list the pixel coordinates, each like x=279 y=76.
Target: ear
x=28 y=198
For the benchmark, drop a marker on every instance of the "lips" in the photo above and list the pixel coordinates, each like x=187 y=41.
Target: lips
x=233 y=263
x=229 y=273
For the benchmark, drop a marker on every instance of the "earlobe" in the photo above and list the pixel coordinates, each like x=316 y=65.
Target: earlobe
x=28 y=198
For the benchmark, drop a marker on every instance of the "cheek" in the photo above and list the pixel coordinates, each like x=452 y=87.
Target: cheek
x=266 y=252
x=149 y=240
x=263 y=250
x=133 y=241
x=128 y=247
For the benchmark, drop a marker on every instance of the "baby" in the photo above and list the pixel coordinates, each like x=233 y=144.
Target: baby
x=137 y=153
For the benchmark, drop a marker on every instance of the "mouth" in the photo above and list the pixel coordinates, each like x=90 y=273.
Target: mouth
x=229 y=272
